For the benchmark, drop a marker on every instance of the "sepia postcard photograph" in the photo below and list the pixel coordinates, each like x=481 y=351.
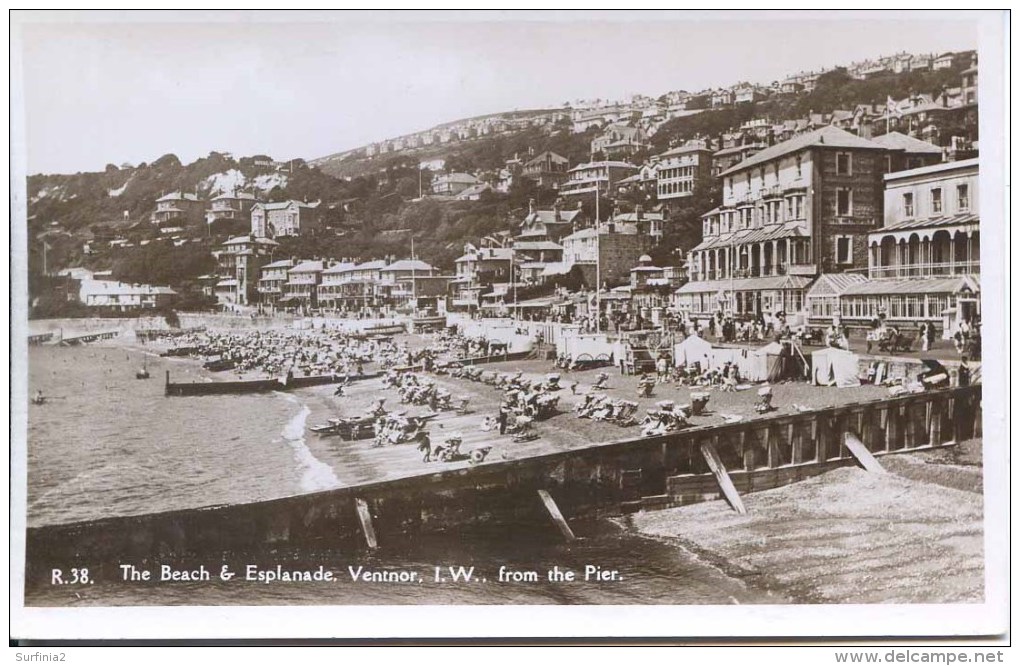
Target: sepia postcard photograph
x=482 y=324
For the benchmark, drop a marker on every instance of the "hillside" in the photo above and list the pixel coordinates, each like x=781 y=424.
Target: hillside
x=370 y=202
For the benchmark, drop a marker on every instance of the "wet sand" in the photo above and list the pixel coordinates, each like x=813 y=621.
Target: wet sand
x=914 y=535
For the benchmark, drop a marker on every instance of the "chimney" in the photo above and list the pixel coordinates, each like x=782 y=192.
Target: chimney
x=639 y=212
x=556 y=210
x=531 y=206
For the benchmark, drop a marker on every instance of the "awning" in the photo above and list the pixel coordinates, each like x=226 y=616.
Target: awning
x=747 y=284
x=744 y=236
x=546 y=302
x=928 y=222
x=953 y=285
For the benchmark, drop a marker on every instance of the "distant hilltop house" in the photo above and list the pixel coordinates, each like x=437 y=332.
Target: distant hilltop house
x=546 y=169
x=475 y=192
x=452 y=184
x=284 y=218
x=588 y=178
x=176 y=208
x=233 y=206
x=619 y=141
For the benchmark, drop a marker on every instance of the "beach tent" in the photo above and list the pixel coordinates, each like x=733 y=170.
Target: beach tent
x=834 y=367
x=587 y=346
x=692 y=350
x=784 y=361
x=750 y=365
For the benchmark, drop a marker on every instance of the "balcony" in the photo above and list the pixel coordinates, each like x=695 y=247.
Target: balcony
x=802 y=270
x=854 y=220
x=926 y=270
x=806 y=270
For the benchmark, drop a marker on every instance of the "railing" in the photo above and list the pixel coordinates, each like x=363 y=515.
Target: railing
x=854 y=220
x=742 y=273
x=926 y=270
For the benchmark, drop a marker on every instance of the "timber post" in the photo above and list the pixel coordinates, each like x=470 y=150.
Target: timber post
x=722 y=477
x=365 y=517
x=556 y=514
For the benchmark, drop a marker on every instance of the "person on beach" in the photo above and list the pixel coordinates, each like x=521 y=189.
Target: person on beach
x=425 y=445
x=662 y=368
x=503 y=415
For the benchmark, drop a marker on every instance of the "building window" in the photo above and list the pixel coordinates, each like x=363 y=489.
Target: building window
x=908 y=204
x=844 y=250
x=962 y=197
x=844 y=164
x=844 y=202
x=888 y=163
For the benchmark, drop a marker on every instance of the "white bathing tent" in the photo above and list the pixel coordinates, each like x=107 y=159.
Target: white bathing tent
x=692 y=350
x=587 y=346
x=752 y=364
x=834 y=367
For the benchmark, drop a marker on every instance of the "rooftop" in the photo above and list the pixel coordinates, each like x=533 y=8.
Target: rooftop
x=242 y=240
x=308 y=267
x=408 y=265
x=933 y=168
x=280 y=205
x=487 y=253
x=549 y=216
x=178 y=196
x=604 y=164
x=899 y=141
x=828 y=137
x=340 y=267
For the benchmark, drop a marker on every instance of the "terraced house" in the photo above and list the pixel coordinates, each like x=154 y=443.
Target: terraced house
x=301 y=288
x=789 y=213
x=271 y=281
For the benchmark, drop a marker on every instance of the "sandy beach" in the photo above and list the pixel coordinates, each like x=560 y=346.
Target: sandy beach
x=913 y=535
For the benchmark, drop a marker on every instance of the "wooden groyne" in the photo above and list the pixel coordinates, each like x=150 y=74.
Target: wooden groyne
x=692 y=465
x=40 y=338
x=256 y=385
x=84 y=338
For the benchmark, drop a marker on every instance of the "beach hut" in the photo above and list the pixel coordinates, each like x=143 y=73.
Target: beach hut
x=834 y=367
x=692 y=350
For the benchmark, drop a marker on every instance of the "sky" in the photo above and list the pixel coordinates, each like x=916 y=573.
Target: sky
x=111 y=88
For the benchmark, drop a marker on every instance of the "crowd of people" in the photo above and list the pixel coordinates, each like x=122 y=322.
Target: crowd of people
x=282 y=352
